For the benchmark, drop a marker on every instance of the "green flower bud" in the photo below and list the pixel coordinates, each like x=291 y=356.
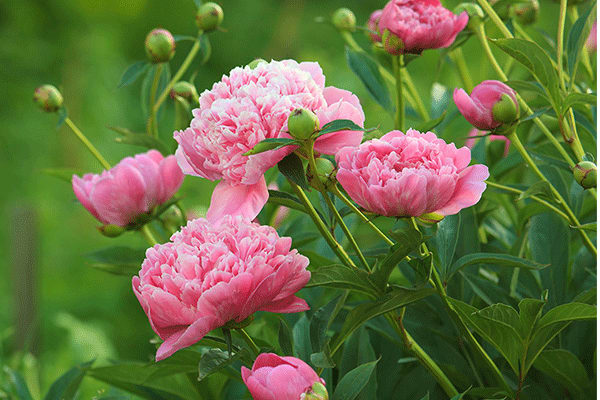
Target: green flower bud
x=254 y=63
x=160 y=46
x=209 y=16
x=344 y=19
x=475 y=12
x=111 y=231
x=527 y=13
x=392 y=43
x=325 y=173
x=585 y=174
x=302 y=123
x=316 y=392
x=506 y=110
x=185 y=90
x=173 y=218
x=48 y=98
x=430 y=218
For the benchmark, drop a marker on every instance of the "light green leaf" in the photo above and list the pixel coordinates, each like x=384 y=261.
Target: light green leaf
x=117 y=260
x=431 y=124
x=339 y=125
x=270 y=144
x=354 y=382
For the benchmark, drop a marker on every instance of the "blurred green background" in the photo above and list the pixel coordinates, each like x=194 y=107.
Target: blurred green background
x=83 y=47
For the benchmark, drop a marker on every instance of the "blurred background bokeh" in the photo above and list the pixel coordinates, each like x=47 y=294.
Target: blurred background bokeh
x=53 y=306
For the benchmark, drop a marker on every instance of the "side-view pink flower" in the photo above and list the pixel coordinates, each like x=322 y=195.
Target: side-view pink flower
x=408 y=175
x=246 y=107
x=474 y=133
x=418 y=25
x=592 y=41
x=213 y=273
x=131 y=188
x=279 y=378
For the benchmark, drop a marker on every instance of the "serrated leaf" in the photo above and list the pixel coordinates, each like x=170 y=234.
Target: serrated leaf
x=354 y=381
x=342 y=277
x=270 y=144
x=65 y=387
x=504 y=260
x=292 y=168
x=133 y=72
x=563 y=367
x=368 y=72
x=286 y=338
x=139 y=139
x=339 y=125
x=64 y=174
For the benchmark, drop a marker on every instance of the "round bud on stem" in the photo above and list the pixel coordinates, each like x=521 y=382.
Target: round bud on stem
x=475 y=12
x=316 y=392
x=392 y=43
x=254 y=63
x=111 y=231
x=324 y=173
x=185 y=90
x=302 y=123
x=527 y=13
x=209 y=16
x=585 y=174
x=160 y=46
x=48 y=98
x=506 y=110
x=344 y=19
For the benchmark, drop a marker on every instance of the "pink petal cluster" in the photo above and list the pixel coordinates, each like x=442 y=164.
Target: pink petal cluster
x=478 y=108
x=373 y=25
x=474 y=133
x=131 y=188
x=246 y=107
x=592 y=40
x=408 y=175
x=420 y=25
x=213 y=273
x=279 y=378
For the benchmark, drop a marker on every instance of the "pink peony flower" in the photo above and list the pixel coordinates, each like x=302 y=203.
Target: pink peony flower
x=591 y=43
x=419 y=25
x=213 y=273
x=131 y=188
x=279 y=378
x=474 y=133
x=408 y=175
x=373 y=25
x=247 y=107
x=478 y=108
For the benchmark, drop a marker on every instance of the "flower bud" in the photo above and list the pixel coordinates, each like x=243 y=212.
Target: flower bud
x=506 y=110
x=48 y=98
x=475 y=13
x=173 y=218
x=527 y=13
x=490 y=105
x=316 y=392
x=392 y=43
x=185 y=90
x=344 y=19
x=209 y=16
x=302 y=123
x=585 y=174
x=160 y=46
x=430 y=218
x=254 y=63
x=111 y=231
x=325 y=173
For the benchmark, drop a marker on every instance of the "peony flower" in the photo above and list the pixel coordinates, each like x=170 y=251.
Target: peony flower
x=591 y=42
x=408 y=175
x=373 y=25
x=491 y=104
x=417 y=25
x=474 y=133
x=279 y=378
x=246 y=107
x=131 y=188
x=212 y=273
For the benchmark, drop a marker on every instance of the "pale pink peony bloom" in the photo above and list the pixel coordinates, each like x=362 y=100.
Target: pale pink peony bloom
x=478 y=108
x=213 y=273
x=474 y=133
x=408 y=175
x=279 y=378
x=373 y=25
x=131 y=188
x=246 y=107
x=591 y=43
x=420 y=25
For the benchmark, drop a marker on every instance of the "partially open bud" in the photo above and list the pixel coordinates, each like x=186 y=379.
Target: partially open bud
x=373 y=26
x=325 y=173
x=48 y=98
x=431 y=218
x=302 y=123
x=392 y=43
x=185 y=90
x=527 y=12
x=506 y=110
x=475 y=13
x=160 y=46
x=254 y=63
x=585 y=174
x=209 y=16
x=344 y=19
x=111 y=231
x=316 y=392
x=490 y=105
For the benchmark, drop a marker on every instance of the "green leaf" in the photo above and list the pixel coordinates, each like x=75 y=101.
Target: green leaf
x=541 y=187
x=183 y=113
x=270 y=144
x=342 y=277
x=179 y=38
x=291 y=167
x=446 y=241
x=368 y=72
x=322 y=359
x=205 y=50
x=286 y=200
x=564 y=367
x=339 y=125
x=18 y=383
x=432 y=123
x=133 y=72
x=577 y=37
x=354 y=382
x=215 y=360
x=578 y=98
x=286 y=338
x=65 y=387
x=504 y=260
x=117 y=260
x=592 y=227
x=139 y=139
x=321 y=321
x=530 y=311
x=422 y=266
x=529 y=86
x=301 y=336
x=65 y=174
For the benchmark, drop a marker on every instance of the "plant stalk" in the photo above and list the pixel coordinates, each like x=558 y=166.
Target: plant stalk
x=92 y=149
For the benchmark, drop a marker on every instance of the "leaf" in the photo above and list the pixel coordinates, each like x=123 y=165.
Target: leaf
x=530 y=311
x=592 y=227
x=270 y=144
x=342 y=277
x=215 y=360
x=564 y=367
x=291 y=167
x=446 y=240
x=179 y=38
x=432 y=123
x=286 y=338
x=578 y=98
x=541 y=187
x=139 y=139
x=528 y=86
x=301 y=336
x=65 y=387
x=183 y=113
x=133 y=72
x=536 y=114
x=422 y=266
x=576 y=40
x=321 y=321
x=504 y=260
x=322 y=359
x=286 y=200
x=18 y=383
x=339 y=125
x=368 y=72
x=205 y=49
x=354 y=381
x=118 y=260
x=65 y=174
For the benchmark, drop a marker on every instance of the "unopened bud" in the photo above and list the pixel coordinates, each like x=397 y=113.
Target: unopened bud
x=185 y=90
x=302 y=123
x=111 y=231
x=392 y=43
x=344 y=19
x=585 y=174
x=48 y=98
x=160 y=46
x=324 y=173
x=316 y=392
x=254 y=63
x=431 y=218
x=475 y=13
x=209 y=16
x=505 y=110
x=527 y=13
x=173 y=218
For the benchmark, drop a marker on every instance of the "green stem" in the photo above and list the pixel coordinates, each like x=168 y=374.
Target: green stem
x=152 y=125
x=412 y=90
x=87 y=143
x=560 y=42
x=495 y=18
x=249 y=340
x=147 y=233
x=463 y=71
x=398 y=66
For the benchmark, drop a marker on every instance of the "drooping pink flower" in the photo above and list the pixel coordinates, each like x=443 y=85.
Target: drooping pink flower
x=279 y=378
x=213 y=273
x=478 y=108
x=373 y=25
x=591 y=42
x=474 y=133
x=246 y=107
x=419 y=25
x=408 y=175
x=131 y=188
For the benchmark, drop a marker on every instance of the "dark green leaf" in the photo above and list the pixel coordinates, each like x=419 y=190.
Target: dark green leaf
x=564 y=367
x=215 y=360
x=65 y=387
x=291 y=167
x=528 y=86
x=538 y=188
x=530 y=311
x=422 y=267
x=576 y=40
x=408 y=241
x=504 y=260
x=140 y=139
x=592 y=227
x=286 y=338
x=339 y=125
x=301 y=336
x=536 y=114
x=322 y=359
x=65 y=174
x=342 y=277
x=578 y=98
x=431 y=124
x=446 y=240
x=117 y=260
x=321 y=321
x=133 y=72
x=270 y=144
x=286 y=200
x=368 y=72
x=354 y=382
x=18 y=383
